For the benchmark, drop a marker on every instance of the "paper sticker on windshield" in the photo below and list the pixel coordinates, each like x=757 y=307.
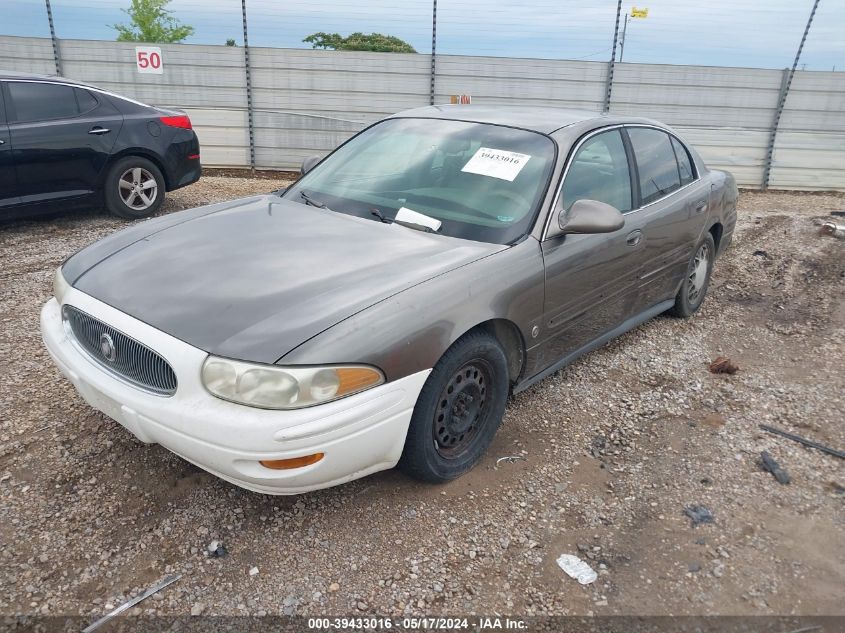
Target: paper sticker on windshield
x=409 y=215
x=496 y=163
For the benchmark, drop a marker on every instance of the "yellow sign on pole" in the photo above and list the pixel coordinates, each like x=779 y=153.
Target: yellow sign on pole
x=639 y=13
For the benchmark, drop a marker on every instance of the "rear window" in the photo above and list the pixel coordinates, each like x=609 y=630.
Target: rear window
x=684 y=162
x=42 y=101
x=84 y=100
x=47 y=101
x=658 y=168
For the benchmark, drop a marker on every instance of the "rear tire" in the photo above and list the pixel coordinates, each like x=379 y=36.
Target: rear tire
x=458 y=410
x=697 y=279
x=134 y=188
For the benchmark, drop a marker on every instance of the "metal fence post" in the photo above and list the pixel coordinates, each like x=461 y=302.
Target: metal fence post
x=612 y=62
x=53 y=38
x=250 y=121
x=433 y=50
x=786 y=82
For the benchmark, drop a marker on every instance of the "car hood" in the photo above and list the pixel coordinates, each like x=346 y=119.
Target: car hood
x=252 y=279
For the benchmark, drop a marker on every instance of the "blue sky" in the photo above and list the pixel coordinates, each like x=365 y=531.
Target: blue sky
x=754 y=33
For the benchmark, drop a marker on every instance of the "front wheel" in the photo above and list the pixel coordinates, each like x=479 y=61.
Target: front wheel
x=134 y=188
x=694 y=289
x=458 y=410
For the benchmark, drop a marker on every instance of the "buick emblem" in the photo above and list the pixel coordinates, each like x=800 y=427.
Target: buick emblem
x=107 y=347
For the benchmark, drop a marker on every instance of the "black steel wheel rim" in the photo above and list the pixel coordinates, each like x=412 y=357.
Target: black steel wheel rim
x=462 y=409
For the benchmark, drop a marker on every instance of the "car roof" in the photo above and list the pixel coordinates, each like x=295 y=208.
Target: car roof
x=9 y=74
x=539 y=119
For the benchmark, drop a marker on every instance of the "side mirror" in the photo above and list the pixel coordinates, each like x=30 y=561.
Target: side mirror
x=590 y=216
x=308 y=164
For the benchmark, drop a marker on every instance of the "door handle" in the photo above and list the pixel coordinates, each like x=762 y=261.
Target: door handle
x=99 y=130
x=634 y=238
x=2 y=142
x=700 y=206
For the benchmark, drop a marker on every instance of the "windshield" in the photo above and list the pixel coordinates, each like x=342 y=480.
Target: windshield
x=481 y=182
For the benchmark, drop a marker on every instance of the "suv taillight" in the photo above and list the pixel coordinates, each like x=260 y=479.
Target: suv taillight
x=182 y=121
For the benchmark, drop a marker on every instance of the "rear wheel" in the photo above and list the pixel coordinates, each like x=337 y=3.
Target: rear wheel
x=694 y=289
x=458 y=410
x=134 y=188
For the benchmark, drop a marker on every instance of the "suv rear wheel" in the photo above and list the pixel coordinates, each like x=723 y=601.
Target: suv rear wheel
x=134 y=188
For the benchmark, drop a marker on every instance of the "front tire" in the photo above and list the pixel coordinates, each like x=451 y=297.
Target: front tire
x=134 y=188
x=458 y=411
x=697 y=279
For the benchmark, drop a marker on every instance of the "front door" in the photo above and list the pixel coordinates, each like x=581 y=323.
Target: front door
x=61 y=138
x=590 y=278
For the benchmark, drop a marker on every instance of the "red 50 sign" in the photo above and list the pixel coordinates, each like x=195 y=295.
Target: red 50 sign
x=148 y=59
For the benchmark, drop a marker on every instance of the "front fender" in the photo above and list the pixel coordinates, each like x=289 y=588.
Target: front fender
x=410 y=331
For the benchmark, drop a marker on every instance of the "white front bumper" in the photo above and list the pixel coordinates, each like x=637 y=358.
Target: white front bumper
x=359 y=435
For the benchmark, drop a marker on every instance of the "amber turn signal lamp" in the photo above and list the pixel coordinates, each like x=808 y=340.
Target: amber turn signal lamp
x=293 y=462
x=354 y=379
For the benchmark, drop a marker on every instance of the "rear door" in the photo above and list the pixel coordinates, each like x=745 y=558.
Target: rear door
x=8 y=185
x=673 y=205
x=61 y=136
x=590 y=278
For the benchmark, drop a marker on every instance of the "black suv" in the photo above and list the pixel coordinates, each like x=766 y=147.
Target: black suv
x=64 y=141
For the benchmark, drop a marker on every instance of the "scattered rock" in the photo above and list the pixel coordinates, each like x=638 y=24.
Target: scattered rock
x=699 y=515
x=723 y=365
x=768 y=463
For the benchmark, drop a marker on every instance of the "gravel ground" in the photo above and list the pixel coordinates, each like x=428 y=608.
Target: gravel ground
x=615 y=447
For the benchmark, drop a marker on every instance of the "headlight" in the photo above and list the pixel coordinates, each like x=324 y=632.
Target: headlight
x=271 y=387
x=60 y=285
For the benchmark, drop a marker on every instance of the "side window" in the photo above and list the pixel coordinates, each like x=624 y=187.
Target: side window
x=656 y=163
x=85 y=100
x=42 y=101
x=599 y=171
x=684 y=162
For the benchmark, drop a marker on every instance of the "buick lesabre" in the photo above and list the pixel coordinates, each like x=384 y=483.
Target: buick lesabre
x=380 y=311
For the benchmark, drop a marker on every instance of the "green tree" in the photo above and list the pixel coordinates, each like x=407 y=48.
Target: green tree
x=359 y=42
x=231 y=42
x=150 y=21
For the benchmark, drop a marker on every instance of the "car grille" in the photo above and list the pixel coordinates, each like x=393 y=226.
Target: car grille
x=120 y=354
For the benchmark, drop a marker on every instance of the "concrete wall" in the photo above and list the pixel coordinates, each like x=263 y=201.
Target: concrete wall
x=308 y=101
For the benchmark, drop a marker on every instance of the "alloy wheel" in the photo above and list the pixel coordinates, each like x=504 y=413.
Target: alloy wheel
x=137 y=188
x=698 y=274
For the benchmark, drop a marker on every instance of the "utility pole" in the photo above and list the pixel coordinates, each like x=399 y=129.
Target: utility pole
x=53 y=38
x=433 y=50
x=624 y=31
x=248 y=77
x=608 y=86
x=786 y=83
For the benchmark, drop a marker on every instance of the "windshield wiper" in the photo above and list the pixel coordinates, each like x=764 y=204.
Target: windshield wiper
x=381 y=216
x=410 y=225
x=313 y=202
